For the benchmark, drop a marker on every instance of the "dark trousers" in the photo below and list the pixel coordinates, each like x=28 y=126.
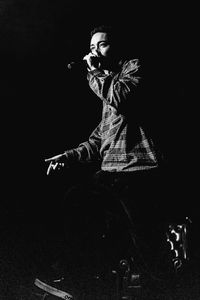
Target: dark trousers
x=141 y=197
x=117 y=211
x=110 y=216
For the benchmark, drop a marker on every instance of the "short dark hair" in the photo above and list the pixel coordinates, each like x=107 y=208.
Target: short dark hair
x=115 y=32
x=106 y=29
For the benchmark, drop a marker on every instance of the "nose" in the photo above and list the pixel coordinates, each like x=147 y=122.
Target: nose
x=96 y=51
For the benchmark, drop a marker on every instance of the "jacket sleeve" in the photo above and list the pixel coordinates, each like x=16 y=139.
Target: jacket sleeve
x=86 y=151
x=115 y=89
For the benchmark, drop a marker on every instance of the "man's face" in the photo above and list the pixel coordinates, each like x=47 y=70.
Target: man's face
x=100 y=45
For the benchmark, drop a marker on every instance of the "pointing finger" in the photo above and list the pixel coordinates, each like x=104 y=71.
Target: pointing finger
x=49 y=168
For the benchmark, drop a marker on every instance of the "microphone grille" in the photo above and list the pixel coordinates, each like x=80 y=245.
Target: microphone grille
x=70 y=65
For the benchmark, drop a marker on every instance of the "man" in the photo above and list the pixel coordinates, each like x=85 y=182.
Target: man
x=129 y=159
x=119 y=141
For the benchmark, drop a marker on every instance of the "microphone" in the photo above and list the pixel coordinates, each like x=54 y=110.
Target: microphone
x=77 y=64
x=82 y=64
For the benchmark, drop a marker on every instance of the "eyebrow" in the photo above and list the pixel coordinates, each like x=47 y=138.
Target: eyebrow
x=102 y=41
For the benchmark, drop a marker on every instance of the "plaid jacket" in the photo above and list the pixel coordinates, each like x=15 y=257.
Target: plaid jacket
x=119 y=141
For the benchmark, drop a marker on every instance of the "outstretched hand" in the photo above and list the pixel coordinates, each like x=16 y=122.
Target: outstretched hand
x=55 y=162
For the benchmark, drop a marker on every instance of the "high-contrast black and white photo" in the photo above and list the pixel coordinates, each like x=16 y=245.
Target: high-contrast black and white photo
x=99 y=184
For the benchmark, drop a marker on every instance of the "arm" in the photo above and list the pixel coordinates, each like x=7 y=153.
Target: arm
x=116 y=89
x=86 y=152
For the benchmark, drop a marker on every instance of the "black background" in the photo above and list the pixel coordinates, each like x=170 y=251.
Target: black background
x=45 y=108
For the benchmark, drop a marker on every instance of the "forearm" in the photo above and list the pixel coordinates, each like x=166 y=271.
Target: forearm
x=84 y=153
x=87 y=151
x=115 y=90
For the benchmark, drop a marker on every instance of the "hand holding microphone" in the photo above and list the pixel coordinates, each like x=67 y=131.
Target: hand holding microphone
x=93 y=61
x=89 y=62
